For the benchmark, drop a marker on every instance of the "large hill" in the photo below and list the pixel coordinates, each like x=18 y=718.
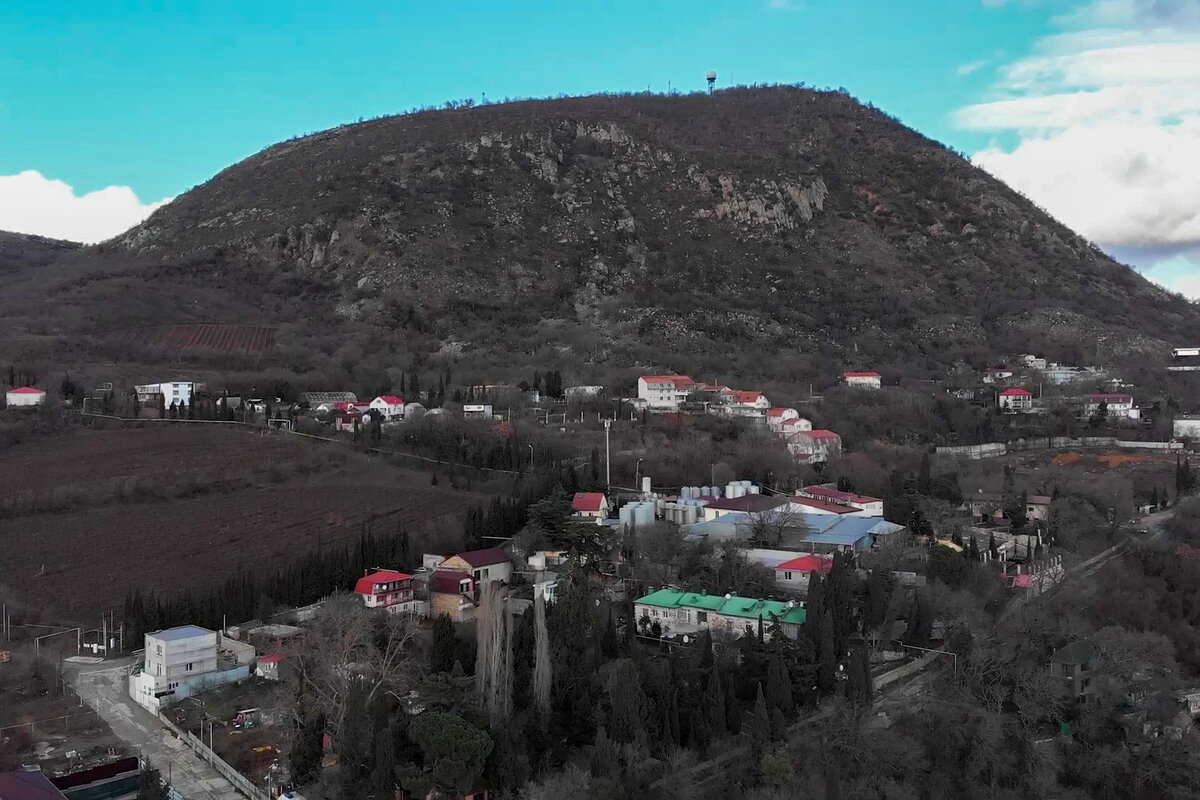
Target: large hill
x=770 y=234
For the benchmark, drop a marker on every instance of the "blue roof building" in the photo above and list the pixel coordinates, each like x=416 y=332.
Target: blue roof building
x=815 y=533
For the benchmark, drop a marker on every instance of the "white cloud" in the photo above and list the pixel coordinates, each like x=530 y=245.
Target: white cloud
x=32 y=203
x=1107 y=119
x=972 y=66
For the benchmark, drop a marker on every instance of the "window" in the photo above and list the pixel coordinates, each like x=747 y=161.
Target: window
x=159 y=669
x=158 y=649
x=189 y=666
x=787 y=576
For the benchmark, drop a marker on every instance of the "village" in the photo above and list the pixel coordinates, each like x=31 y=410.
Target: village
x=721 y=567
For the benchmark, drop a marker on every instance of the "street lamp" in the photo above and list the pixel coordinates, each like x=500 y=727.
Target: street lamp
x=607 y=457
x=530 y=457
x=637 y=475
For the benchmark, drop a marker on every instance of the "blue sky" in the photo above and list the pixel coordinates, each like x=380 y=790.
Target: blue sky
x=157 y=97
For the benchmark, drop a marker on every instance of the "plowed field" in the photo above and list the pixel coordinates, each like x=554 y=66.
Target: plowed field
x=76 y=563
x=217 y=337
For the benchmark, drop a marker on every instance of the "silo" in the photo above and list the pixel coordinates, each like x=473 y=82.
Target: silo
x=646 y=485
x=691 y=514
x=643 y=514
x=755 y=489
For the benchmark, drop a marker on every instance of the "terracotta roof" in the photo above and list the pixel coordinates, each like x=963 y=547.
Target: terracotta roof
x=860 y=375
x=748 y=502
x=820 y=433
x=746 y=396
x=779 y=411
x=366 y=584
x=444 y=581
x=807 y=564
x=825 y=505
x=588 y=501
x=485 y=557
x=1014 y=392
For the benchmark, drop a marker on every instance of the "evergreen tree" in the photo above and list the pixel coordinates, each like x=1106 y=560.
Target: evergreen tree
x=444 y=647
x=993 y=548
x=673 y=717
x=354 y=742
x=151 y=785
x=383 y=775
x=779 y=686
x=760 y=727
x=307 y=749
x=733 y=710
x=714 y=703
x=974 y=549
x=875 y=605
x=608 y=641
x=778 y=725
x=924 y=476
x=827 y=655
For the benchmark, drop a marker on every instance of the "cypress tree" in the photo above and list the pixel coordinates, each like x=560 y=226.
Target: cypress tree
x=779 y=686
x=974 y=549
x=714 y=703
x=733 y=710
x=760 y=727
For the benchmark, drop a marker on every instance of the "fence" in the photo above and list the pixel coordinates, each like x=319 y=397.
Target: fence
x=239 y=781
x=994 y=449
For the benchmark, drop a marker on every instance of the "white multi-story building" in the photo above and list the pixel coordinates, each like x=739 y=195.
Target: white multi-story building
x=1015 y=400
x=1118 y=406
x=744 y=403
x=665 y=392
x=814 y=446
x=178 y=392
x=387 y=589
x=865 y=505
x=180 y=662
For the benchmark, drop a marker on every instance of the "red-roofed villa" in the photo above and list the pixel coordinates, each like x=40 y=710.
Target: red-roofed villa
x=592 y=505
x=391 y=406
x=1015 y=400
x=386 y=589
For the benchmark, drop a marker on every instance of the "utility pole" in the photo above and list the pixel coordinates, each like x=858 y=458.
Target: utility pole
x=607 y=456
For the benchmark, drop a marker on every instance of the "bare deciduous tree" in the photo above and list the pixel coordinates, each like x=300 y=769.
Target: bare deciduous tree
x=346 y=643
x=493 y=681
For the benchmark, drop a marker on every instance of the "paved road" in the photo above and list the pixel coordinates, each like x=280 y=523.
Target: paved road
x=105 y=688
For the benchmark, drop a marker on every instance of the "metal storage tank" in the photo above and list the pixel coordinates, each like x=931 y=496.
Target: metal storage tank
x=691 y=514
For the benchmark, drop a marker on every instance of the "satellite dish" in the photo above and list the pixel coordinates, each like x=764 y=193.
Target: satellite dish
x=685 y=639
x=728 y=596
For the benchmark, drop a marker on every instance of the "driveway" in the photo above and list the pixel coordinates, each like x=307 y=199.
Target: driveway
x=105 y=687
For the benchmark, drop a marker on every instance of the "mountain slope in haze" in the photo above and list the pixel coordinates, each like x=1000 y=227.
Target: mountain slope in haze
x=771 y=233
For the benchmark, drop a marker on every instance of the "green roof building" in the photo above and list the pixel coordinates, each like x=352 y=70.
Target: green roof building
x=679 y=611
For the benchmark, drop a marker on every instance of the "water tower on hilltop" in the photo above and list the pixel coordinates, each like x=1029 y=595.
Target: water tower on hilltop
x=711 y=77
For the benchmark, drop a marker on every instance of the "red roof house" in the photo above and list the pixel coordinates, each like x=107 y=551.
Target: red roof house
x=590 y=504
x=386 y=588
x=808 y=563
x=861 y=375
x=1015 y=392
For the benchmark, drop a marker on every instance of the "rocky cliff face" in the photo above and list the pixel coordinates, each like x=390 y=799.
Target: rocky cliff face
x=760 y=231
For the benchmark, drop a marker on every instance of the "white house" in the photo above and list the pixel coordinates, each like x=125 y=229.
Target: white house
x=863 y=380
x=664 y=392
x=24 y=396
x=389 y=405
x=814 y=446
x=777 y=417
x=1118 y=406
x=1032 y=362
x=1015 y=400
x=180 y=662
x=477 y=411
x=387 y=589
x=792 y=425
x=794 y=574
x=743 y=403
x=590 y=505
x=178 y=392
x=995 y=375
